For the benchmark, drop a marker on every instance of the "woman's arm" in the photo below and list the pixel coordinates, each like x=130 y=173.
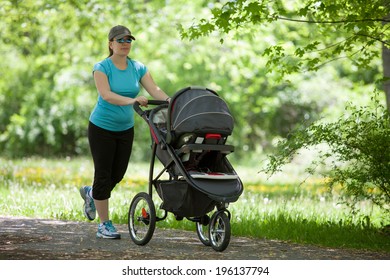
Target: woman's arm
x=104 y=90
x=151 y=87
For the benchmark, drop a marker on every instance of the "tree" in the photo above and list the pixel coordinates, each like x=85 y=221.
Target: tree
x=344 y=29
x=43 y=78
x=386 y=68
x=357 y=153
x=49 y=48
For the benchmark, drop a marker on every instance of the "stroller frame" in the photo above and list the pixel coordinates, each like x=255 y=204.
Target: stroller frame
x=184 y=195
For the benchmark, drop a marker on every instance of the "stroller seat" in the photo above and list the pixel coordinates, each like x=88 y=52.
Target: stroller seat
x=192 y=149
x=196 y=125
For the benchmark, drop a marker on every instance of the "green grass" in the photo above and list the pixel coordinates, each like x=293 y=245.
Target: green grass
x=283 y=210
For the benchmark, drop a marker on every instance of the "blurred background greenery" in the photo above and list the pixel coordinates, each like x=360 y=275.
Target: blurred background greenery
x=48 y=49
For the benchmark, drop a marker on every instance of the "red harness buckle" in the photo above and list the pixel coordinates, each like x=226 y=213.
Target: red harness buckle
x=213 y=136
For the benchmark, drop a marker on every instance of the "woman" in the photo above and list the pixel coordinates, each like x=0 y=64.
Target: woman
x=110 y=132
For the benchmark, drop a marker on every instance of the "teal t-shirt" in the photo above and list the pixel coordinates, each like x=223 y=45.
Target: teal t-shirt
x=123 y=82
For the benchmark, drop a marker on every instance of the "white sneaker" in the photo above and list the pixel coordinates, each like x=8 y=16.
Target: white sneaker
x=89 y=205
x=107 y=230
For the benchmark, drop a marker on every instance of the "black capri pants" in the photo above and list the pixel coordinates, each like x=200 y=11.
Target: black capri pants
x=111 y=152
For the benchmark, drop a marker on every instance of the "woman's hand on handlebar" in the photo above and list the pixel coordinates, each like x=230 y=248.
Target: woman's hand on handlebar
x=142 y=100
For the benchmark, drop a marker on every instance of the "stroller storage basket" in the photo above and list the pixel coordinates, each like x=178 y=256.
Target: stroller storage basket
x=182 y=199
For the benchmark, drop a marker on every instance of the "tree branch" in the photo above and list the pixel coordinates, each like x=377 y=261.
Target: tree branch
x=334 y=21
x=376 y=39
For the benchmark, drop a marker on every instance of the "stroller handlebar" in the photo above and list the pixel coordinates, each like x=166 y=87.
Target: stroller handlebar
x=140 y=112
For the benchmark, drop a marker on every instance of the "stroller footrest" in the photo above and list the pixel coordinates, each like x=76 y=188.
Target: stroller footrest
x=212 y=175
x=225 y=149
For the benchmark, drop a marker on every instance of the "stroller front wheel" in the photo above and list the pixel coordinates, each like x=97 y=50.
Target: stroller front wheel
x=141 y=218
x=219 y=231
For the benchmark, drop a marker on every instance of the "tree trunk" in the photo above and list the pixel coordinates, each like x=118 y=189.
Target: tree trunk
x=386 y=73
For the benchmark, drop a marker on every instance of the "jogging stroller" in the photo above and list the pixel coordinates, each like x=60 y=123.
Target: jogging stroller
x=189 y=138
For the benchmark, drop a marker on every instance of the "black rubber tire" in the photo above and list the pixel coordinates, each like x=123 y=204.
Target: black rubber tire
x=203 y=233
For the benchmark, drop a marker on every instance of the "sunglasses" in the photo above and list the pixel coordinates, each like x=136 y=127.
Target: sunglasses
x=121 y=41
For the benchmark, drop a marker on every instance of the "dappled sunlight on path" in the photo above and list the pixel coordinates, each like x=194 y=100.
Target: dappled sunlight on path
x=29 y=239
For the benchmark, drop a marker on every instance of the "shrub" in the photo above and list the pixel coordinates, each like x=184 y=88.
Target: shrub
x=48 y=122
x=358 y=156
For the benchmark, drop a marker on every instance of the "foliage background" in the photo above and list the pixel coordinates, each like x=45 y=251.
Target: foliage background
x=49 y=48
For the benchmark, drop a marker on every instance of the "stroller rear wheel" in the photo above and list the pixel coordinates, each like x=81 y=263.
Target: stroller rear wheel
x=219 y=231
x=203 y=232
x=141 y=218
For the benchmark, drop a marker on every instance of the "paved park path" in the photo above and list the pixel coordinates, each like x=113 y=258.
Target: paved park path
x=42 y=239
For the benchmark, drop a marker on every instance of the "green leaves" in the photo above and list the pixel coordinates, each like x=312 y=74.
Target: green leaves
x=358 y=150
x=49 y=48
x=359 y=24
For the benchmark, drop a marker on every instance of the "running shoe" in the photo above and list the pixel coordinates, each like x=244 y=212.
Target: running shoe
x=107 y=230
x=89 y=205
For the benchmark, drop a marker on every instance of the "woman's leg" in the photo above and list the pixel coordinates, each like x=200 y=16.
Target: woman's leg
x=123 y=150
x=102 y=208
x=103 y=147
x=111 y=153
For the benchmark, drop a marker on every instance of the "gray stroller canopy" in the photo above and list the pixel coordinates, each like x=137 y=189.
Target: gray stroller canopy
x=198 y=110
